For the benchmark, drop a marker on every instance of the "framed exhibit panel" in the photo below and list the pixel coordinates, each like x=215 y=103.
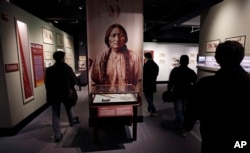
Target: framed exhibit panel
x=24 y=61
x=212 y=45
x=48 y=55
x=69 y=58
x=49 y=63
x=82 y=58
x=38 y=63
x=240 y=39
x=68 y=42
x=48 y=59
x=162 y=58
x=47 y=36
x=59 y=40
x=82 y=65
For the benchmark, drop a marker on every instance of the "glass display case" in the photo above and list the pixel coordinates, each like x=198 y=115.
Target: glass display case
x=114 y=95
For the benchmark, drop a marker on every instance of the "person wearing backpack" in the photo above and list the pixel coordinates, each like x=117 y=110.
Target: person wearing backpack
x=181 y=81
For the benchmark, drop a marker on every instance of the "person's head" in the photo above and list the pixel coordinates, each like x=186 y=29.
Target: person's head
x=184 y=60
x=148 y=55
x=229 y=54
x=116 y=36
x=59 y=56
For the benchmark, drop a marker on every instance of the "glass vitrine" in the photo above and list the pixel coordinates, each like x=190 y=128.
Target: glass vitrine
x=115 y=94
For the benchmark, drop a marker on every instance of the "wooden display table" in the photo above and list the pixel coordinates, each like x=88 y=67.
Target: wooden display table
x=120 y=101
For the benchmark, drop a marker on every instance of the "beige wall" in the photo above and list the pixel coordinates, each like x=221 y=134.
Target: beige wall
x=165 y=53
x=229 y=18
x=12 y=108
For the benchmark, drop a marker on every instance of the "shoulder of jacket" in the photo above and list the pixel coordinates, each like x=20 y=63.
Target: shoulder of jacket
x=175 y=69
x=50 y=68
x=67 y=66
x=207 y=79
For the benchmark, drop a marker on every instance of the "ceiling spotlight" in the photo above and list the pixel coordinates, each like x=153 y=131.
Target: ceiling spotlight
x=56 y=21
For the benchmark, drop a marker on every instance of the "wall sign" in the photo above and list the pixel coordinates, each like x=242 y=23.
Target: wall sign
x=11 y=67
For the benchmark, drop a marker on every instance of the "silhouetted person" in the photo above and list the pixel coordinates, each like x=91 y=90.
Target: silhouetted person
x=181 y=80
x=221 y=103
x=59 y=79
x=150 y=73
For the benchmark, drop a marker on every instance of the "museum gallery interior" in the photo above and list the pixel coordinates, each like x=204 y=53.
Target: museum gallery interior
x=111 y=111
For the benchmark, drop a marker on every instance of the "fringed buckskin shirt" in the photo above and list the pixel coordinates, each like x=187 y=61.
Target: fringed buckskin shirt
x=116 y=68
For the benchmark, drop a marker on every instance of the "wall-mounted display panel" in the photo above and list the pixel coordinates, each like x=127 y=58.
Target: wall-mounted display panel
x=59 y=40
x=24 y=61
x=38 y=63
x=240 y=39
x=47 y=36
x=212 y=45
x=82 y=65
x=49 y=63
x=68 y=42
x=48 y=55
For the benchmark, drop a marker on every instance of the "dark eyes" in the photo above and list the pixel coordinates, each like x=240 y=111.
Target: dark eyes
x=117 y=35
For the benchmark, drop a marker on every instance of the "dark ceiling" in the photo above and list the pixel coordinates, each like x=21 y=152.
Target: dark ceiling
x=162 y=18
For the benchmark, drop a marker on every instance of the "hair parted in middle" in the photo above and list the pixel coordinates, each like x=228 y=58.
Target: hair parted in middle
x=110 y=28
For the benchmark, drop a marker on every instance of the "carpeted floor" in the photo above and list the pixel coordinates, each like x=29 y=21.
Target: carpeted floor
x=156 y=134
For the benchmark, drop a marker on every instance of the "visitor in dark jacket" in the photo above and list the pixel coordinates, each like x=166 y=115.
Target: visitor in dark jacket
x=150 y=73
x=59 y=80
x=221 y=103
x=181 y=80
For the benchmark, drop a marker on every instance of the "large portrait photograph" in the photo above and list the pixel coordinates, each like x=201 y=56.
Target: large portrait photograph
x=115 y=42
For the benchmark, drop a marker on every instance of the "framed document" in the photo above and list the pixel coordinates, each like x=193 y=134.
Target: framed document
x=48 y=55
x=212 y=45
x=47 y=36
x=59 y=40
x=240 y=39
